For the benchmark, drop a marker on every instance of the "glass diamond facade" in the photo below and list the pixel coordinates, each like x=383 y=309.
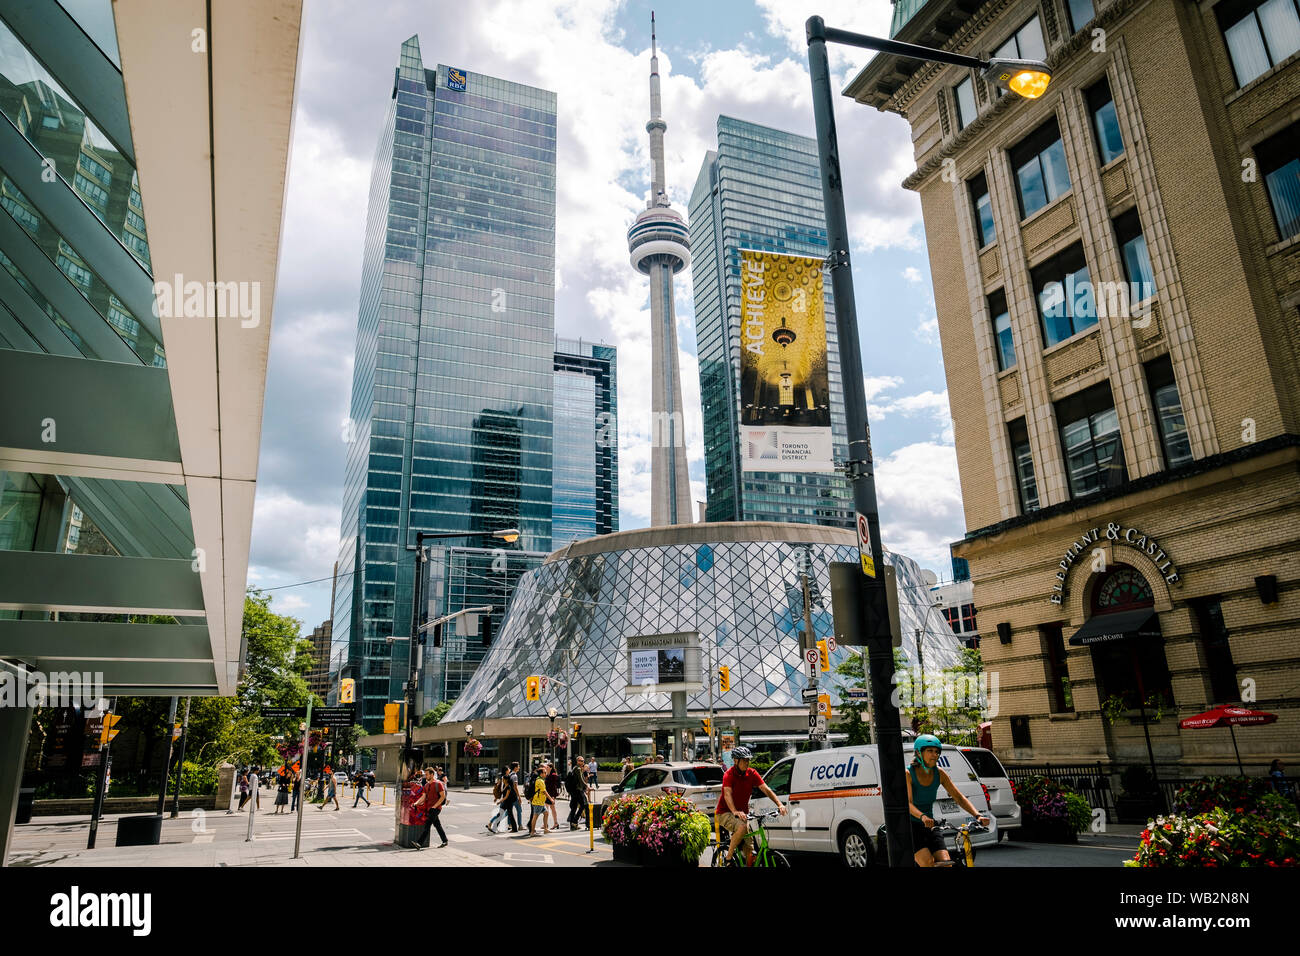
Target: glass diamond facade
x=453 y=382
x=760 y=190
x=742 y=596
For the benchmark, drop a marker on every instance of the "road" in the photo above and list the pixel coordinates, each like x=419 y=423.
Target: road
x=337 y=834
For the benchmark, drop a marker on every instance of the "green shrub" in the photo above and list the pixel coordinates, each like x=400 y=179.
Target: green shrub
x=1043 y=800
x=198 y=779
x=1237 y=794
x=1078 y=813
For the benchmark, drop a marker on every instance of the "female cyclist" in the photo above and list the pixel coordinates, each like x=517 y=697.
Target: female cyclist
x=923 y=779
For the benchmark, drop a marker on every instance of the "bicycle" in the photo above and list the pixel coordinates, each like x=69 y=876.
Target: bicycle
x=764 y=855
x=963 y=851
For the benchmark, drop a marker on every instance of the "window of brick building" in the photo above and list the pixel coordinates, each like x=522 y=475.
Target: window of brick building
x=1059 y=695
x=982 y=206
x=1094 y=455
x=1279 y=162
x=1259 y=34
x=1006 y=347
x=1081 y=13
x=1063 y=288
x=964 y=94
x=1105 y=124
x=1218 y=653
x=1020 y=732
x=1042 y=175
x=1169 y=412
x=1023 y=459
x=1133 y=253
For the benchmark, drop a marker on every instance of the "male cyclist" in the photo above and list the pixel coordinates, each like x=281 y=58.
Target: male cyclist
x=732 y=811
x=923 y=779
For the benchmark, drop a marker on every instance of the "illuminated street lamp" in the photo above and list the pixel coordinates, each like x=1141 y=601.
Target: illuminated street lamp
x=1027 y=78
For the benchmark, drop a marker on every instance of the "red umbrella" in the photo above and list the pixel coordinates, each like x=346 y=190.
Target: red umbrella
x=1227 y=716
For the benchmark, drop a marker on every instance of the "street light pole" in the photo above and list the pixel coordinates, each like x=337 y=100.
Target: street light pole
x=1028 y=79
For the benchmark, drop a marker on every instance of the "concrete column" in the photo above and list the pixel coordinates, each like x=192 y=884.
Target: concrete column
x=15 y=723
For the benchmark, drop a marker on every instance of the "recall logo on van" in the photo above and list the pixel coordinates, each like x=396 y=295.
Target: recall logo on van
x=835 y=771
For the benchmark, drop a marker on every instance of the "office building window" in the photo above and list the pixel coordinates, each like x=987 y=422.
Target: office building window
x=1058 y=672
x=964 y=94
x=1105 y=124
x=1133 y=253
x=1006 y=348
x=983 y=209
x=953 y=616
x=1081 y=13
x=1066 y=305
x=1025 y=44
x=1259 y=35
x=1218 y=652
x=1041 y=172
x=1169 y=412
x=1023 y=458
x=1094 y=456
x=968 y=618
x=1279 y=161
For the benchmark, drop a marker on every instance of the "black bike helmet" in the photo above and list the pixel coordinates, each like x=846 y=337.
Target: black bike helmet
x=742 y=753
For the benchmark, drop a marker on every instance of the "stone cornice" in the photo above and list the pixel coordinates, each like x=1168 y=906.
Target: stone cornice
x=1064 y=53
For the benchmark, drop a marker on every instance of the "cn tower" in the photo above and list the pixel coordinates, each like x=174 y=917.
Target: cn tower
x=660 y=248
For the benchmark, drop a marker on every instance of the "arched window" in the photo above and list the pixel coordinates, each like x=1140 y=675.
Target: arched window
x=1134 y=668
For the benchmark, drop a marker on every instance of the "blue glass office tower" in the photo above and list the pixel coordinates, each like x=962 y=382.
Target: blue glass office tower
x=585 y=497
x=454 y=374
x=761 y=189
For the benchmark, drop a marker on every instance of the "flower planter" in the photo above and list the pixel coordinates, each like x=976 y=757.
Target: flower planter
x=627 y=853
x=1047 y=831
x=672 y=859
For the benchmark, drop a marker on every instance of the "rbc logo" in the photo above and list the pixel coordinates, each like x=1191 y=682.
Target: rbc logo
x=455 y=79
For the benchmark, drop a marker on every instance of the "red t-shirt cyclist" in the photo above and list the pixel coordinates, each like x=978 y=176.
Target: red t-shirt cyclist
x=733 y=807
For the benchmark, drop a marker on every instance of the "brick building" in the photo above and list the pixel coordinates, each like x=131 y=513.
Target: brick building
x=1116 y=269
x=318 y=681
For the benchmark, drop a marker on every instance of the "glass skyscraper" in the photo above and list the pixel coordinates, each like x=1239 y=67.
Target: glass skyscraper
x=585 y=497
x=761 y=189
x=454 y=375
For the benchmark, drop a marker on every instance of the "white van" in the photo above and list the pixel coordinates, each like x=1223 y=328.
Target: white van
x=835 y=803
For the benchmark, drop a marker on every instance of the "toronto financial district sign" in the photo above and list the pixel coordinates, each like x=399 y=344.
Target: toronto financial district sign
x=1113 y=532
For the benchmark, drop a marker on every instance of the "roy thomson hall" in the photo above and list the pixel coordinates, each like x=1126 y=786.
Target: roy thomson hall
x=1116 y=268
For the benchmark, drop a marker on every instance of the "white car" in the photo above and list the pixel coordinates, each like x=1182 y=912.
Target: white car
x=1000 y=791
x=835 y=803
x=340 y=777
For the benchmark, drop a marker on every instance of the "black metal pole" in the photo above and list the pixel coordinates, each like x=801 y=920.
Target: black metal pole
x=874 y=607
x=101 y=779
x=180 y=761
x=167 y=764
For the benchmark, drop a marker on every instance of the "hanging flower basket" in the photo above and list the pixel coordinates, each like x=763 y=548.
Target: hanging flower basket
x=557 y=739
x=473 y=747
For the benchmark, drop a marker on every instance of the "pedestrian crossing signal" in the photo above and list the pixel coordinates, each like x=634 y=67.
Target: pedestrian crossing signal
x=390 y=717
x=533 y=688
x=724 y=679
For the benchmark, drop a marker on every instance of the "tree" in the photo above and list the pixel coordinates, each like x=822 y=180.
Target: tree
x=854 y=722
x=435 y=716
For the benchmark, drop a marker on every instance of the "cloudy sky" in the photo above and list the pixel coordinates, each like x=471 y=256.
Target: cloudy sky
x=742 y=58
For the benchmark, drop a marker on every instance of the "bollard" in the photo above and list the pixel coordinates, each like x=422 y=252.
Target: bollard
x=383 y=797
x=591 y=828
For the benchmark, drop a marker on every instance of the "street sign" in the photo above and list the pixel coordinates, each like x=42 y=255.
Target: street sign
x=809 y=694
x=816 y=724
x=864 y=547
x=812 y=655
x=830 y=643
x=281 y=713
x=824 y=705
x=856 y=693
x=334 y=716
x=813 y=736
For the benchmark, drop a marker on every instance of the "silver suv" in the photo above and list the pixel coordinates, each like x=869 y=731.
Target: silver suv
x=997 y=787
x=698 y=781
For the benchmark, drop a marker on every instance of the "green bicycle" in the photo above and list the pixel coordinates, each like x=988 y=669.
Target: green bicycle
x=764 y=855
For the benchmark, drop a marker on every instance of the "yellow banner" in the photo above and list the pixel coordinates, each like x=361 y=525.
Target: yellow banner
x=785 y=417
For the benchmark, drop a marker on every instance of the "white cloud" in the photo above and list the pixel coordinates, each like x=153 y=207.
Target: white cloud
x=920 y=502
x=928 y=330
x=912 y=274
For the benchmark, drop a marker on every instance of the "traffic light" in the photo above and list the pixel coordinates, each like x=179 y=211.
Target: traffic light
x=824 y=655
x=577 y=730
x=706 y=726
x=347 y=690
x=533 y=688
x=391 y=721
x=108 y=732
x=724 y=679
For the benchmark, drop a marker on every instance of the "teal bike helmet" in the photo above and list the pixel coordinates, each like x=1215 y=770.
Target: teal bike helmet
x=926 y=740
